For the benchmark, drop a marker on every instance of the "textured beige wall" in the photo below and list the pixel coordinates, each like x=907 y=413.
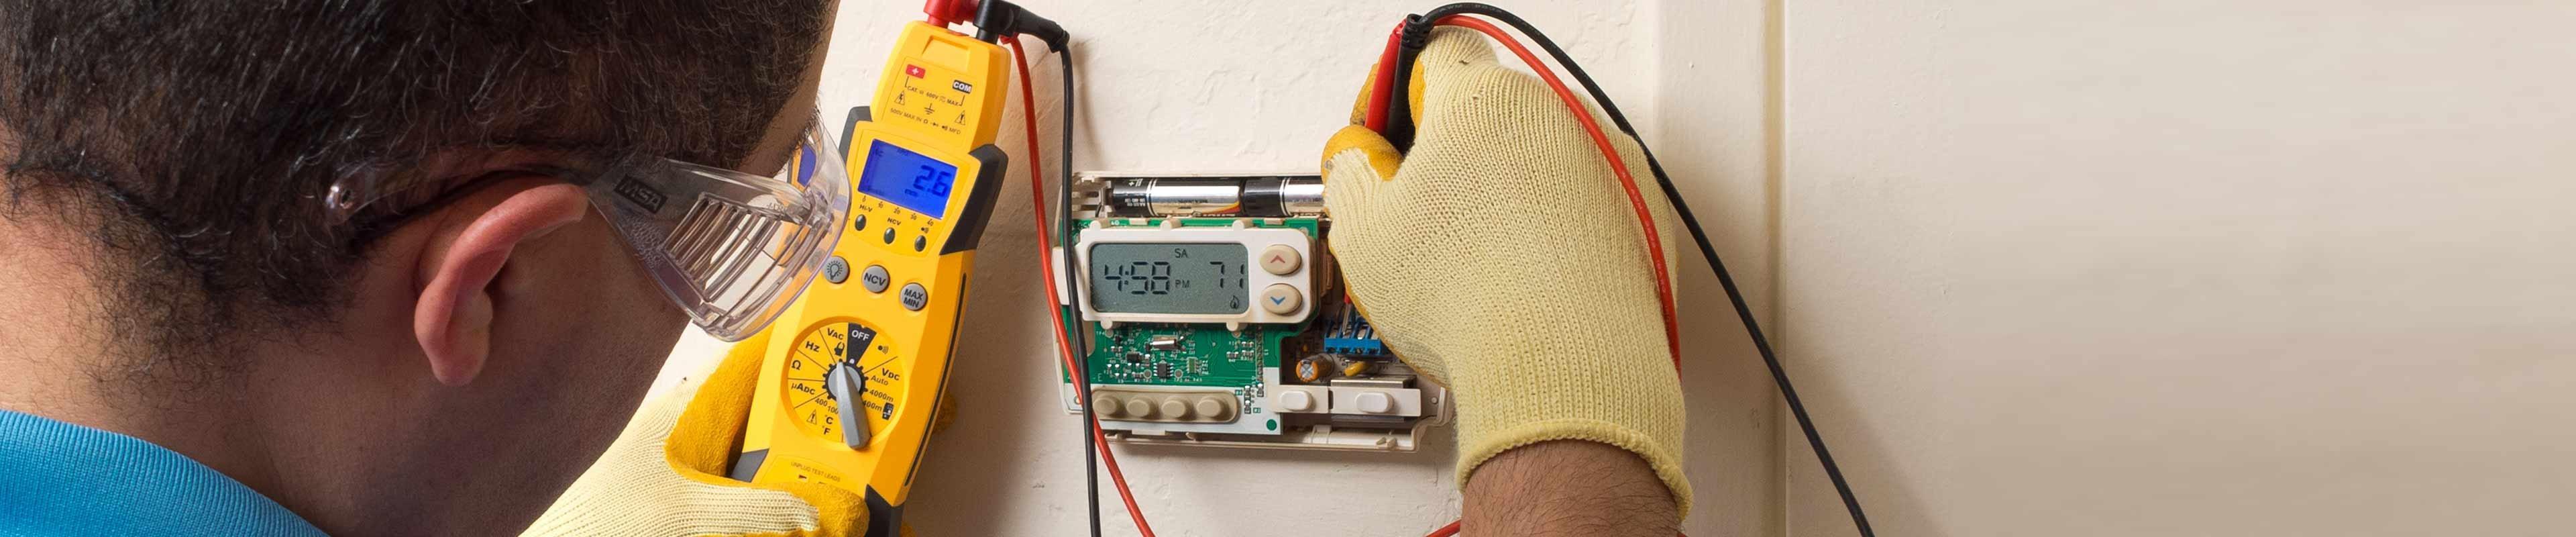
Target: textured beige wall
x=2183 y=268
x=1710 y=126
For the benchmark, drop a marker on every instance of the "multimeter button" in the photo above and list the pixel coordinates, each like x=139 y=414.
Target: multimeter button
x=1175 y=409
x=875 y=278
x=914 y=296
x=836 y=270
x=1280 y=299
x=1140 y=408
x=858 y=222
x=920 y=243
x=889 y=236
x=1280 y=259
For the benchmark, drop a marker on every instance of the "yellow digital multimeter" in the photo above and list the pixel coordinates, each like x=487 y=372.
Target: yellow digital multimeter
x=852 y=373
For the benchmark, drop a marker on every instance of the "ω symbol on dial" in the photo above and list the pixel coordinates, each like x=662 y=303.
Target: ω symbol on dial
x=832 y=388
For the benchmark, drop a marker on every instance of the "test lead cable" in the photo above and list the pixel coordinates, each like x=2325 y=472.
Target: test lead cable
x=1095 y=443
x=1064 y=345
x=1065 y=207
x=1001 y=21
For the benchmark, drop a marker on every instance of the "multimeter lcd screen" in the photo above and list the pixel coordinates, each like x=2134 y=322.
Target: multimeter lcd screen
x=912 y=180
x=1177 y=278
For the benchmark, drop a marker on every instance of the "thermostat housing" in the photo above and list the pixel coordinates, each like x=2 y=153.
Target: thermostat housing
x=1214 y=317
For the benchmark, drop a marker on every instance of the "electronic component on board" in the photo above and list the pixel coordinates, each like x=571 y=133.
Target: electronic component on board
x=1352 y=335
x=1260 y=196
x=1358 y=368
x=1314 y=369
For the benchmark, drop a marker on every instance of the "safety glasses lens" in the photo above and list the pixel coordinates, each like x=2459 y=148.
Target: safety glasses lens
x=733 y=249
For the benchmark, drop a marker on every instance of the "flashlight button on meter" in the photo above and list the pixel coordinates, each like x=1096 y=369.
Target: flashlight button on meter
x=1281 y=299
x=1280 y=259
x=836 y=270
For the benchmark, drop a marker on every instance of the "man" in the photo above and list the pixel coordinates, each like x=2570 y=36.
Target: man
x=330 y=266
x=436 y=364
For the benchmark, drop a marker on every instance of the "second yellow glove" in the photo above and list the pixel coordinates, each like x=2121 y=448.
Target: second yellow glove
x=1502 y=259
x=664 y=476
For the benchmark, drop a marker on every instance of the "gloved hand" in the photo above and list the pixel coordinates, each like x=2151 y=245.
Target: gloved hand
x=664 y=476
x=1502 y=260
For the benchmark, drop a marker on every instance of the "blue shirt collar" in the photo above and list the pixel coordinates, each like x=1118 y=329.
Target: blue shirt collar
x=62 y=479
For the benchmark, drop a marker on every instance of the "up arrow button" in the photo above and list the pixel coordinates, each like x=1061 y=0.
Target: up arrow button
x=1281 y=259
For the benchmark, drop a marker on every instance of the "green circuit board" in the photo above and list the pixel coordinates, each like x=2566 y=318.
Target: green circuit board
x=1185 y=354
x=1191 y=354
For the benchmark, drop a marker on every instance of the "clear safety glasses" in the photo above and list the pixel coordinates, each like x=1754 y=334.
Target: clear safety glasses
x=731 y=248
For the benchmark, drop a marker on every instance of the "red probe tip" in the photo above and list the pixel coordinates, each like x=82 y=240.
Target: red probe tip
x=942 y=12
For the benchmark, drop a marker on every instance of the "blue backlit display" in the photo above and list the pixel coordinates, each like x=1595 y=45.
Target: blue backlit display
x=912 y=180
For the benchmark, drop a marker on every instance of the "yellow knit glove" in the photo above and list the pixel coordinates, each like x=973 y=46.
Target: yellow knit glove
x=664 y=476
x=1502 y=260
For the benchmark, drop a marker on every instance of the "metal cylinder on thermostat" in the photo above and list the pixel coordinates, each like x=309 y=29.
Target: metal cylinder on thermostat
x=1255 y=197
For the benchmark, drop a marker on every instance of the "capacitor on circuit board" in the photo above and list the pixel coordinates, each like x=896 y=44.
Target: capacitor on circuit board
x=1354 y=368
x=1314 y=369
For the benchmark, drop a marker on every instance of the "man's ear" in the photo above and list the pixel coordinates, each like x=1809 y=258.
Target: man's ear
x=453 y=317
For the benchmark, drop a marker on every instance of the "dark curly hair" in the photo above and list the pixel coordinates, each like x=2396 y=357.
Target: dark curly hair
x=195 y=138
